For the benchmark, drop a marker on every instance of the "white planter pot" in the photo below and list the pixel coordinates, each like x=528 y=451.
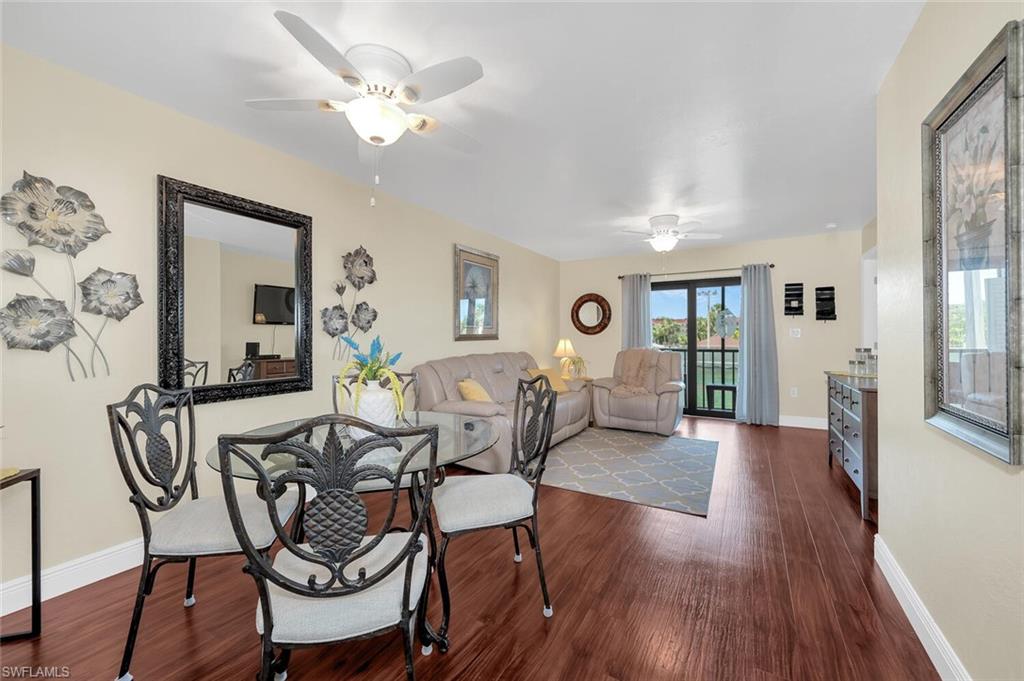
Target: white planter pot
x=376 y=405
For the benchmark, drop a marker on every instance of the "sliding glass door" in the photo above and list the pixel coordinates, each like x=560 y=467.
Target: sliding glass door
x=700 y=319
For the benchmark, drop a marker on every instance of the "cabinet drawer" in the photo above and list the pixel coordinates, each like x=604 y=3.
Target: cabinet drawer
x=854 y=404
x=853 y=432
x=833 y=389
x=835 y=416
x=853 y=466
x=835 y=444
x=281 y=368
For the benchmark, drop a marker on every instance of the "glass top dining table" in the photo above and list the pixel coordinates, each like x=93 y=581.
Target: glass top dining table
x=458 y=438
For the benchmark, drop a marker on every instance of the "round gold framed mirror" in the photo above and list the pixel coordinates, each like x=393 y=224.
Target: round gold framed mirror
x=591 y=314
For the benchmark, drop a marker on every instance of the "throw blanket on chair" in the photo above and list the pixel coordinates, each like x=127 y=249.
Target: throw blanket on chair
x=637 y=367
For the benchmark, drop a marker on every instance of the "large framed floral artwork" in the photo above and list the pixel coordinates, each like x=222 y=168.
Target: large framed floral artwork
x=972 y=253
x=476 y=294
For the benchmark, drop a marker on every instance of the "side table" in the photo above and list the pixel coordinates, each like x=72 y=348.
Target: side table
x=30 y=475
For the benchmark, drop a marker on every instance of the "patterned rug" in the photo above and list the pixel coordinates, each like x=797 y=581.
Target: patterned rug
x=667 y=472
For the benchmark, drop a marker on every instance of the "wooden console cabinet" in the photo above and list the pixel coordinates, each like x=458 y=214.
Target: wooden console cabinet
x=853 y=432
x=274 y=368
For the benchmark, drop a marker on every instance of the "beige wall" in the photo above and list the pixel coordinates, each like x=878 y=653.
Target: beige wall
x=239 y=274
x=829 y=259
x=202 y=304
x=113 y=145
x=952 y=516
x=869 y=236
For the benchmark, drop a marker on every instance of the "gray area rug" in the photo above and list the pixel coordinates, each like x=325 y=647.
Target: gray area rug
x=667 y=472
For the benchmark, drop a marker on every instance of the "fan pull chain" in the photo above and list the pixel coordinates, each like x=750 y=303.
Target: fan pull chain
x=376 y=177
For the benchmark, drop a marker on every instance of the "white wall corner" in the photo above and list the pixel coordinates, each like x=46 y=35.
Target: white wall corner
x=942 y=655
x=16 y=594
x=804 y=422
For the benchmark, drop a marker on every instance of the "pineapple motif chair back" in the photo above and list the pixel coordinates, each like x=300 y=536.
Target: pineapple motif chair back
x=410 y=389
x=195 y=371
x=336 y=523
x=153 y=432
x=246 y=371
x=533 y=424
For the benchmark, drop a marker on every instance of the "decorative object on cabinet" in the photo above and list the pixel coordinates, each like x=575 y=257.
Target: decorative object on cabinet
x=476 y=294
x=591 y=314
x=31 y=476
x=64 y=220
x=972 y=234
x=794 y=300
x=191 y=215
x=825 y=303
x=337 y=319
x=853 y=432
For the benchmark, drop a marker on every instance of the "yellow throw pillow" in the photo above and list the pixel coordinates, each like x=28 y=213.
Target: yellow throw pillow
x=558 y=383
x=473 y=391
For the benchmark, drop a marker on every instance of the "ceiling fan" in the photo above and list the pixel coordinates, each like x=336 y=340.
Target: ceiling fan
x=665 y=232
x=380 y=81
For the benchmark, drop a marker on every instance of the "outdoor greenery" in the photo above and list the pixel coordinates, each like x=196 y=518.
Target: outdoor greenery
x=671 y=333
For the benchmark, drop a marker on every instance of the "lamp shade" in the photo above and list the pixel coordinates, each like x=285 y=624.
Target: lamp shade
x=378 y=121
x=565 y=348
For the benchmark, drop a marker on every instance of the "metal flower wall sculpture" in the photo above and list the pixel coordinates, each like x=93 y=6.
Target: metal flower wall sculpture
x=64 y=220
x=337 y=320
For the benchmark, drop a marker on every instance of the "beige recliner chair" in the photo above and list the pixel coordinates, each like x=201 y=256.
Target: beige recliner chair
x=653 y=405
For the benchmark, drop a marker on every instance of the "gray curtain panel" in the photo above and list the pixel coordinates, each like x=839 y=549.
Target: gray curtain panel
x=636 y=311
x=757 y=391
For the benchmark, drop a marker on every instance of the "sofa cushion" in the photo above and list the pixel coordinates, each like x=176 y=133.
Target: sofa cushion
x=638 y=408
x=554 y=377
x=473 y=391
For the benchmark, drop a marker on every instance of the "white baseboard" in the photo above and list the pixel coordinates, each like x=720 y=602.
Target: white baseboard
x=804 y=422
x=59 y=579
x=935 y=644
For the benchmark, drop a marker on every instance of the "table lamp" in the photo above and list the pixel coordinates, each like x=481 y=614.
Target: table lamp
x=563 y=351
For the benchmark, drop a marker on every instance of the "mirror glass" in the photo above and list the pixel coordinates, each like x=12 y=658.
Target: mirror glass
x=240 y=306
x=590 y=314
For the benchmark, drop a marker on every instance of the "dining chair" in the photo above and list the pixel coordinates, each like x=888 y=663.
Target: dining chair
x=347 y=581
x=153 y=432
x=195 y=372
x=469 y=503
x=246 y=371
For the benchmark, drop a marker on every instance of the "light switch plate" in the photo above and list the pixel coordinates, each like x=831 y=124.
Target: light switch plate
x=795 y=332
x=794 y=392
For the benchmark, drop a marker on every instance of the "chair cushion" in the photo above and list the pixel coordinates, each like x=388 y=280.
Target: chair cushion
x=303 y=619
x=465 y=502
x=636 y=408
x=201 y=527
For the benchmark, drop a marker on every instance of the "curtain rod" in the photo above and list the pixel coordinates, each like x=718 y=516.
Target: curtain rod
x=719 y=269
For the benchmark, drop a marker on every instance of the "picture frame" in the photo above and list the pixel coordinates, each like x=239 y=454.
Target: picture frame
x=475 y=294
x=972 y=230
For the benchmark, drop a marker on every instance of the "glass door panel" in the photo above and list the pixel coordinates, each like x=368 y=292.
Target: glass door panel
x=669 y=328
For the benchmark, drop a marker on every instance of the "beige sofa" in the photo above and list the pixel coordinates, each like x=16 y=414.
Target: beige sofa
x=498 y=373
x=657 y=411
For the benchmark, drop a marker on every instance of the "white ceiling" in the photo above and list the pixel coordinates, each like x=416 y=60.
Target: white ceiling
x=756 y=119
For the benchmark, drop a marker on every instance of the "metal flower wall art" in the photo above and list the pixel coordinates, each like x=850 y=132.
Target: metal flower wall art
x=63 y=220
x=358 y=315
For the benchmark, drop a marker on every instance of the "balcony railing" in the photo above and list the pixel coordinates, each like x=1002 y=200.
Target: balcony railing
x=716 y=366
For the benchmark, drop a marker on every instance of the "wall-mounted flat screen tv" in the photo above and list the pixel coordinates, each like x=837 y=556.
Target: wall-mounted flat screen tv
x=273 y=305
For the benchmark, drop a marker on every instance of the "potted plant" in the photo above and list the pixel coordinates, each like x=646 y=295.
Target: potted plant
x=377 y=392
x=577 y=366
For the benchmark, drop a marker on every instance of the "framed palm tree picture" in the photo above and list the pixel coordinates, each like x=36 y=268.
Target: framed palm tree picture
x=476 y=294
x=972 y=252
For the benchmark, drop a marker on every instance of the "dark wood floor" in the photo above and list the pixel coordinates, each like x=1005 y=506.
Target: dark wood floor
x=778 y=582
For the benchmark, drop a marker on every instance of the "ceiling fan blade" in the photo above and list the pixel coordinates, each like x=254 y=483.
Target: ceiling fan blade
x=699 y=235
x=321 y=49
x=276 y=104
x=641 y=232
x=430 y=127
x=438 y=80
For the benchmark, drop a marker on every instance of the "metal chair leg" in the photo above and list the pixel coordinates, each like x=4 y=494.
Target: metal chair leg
x=410 y=672
x=446 y=602
x=280 y=665
x=190 y=598
x=266 y=672
x=518 y=558
x=548 y=610
x=133 y=628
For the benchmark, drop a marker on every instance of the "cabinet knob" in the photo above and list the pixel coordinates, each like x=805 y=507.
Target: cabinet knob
x=846 y=459
x=846 y=427
x=856 y=472
x=856 y=434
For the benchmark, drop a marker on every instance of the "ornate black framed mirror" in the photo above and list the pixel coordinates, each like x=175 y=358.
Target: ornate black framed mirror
x=235 y=295
x=591 y=314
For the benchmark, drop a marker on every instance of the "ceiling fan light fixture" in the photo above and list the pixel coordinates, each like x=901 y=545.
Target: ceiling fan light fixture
x=663 y=243
x=377 y=120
